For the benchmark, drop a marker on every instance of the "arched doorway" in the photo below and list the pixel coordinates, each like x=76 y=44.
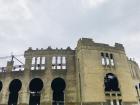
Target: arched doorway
x=58 y=86
x=35 y=88
x=14 y=88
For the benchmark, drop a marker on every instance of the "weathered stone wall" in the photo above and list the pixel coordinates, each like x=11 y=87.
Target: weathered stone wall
x=47 y=76
x=93 y=72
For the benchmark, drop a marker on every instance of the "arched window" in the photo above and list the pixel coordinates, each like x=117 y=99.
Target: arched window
x=14 y=88
x=35 y=88
x=58 y=86
x=111 y=82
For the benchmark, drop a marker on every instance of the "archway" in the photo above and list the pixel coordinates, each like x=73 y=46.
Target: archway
x=58 y=86
x=111 y=82
x=35 y=88
x=14 y=88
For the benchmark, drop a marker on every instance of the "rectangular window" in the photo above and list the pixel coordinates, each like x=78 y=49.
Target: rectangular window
x=43 y=59
x=63 y=62
x=33 y=63
x=38 y=63
x=54 y=62
x=103 y=58
x=63 y=67
x=107 y=59
x=120 y=102
x=111 y=60
x=59 y=62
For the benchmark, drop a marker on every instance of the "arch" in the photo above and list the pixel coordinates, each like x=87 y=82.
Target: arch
x=15 y=85
x=35 y=86
x=1 y=85
x=58 y=86
x=14 y=88
x=111 y=82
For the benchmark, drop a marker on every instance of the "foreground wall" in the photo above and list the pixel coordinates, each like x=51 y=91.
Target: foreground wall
x=82 y=74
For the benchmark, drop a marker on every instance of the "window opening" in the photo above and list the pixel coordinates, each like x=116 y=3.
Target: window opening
x=111 y=60
x=103 y=58
x=38 y=63
x=33 y=63
x=120 y=102
x=114 y=102
x=111 y=82
x=107 y=59
x=35 y=88
x=1 y=85
x=14 y=89
x=58 y=62
x=112 y=87
x=58 y=86
x=43 y=63
x=54 y=62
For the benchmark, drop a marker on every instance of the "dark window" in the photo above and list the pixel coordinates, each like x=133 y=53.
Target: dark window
x=111 y=56
x=137 y=89
x=1 y=85
x=120 y=102
x=102 y=54
x=107 y=55
x=114 y=102
x=111 y=82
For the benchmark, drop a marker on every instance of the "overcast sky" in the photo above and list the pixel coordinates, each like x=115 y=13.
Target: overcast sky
x=60 y=23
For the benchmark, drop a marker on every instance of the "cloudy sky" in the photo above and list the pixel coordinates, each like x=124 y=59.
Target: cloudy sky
x=60 y=23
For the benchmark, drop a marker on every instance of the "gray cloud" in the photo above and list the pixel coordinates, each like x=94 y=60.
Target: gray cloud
x=40 y=23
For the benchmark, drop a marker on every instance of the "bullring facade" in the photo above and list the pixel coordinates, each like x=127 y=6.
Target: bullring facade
x=92 y=74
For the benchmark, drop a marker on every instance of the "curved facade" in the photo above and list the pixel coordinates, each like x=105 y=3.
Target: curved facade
x=92 y=74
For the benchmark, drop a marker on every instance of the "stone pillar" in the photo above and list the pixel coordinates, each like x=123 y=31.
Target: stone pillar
x=25 y=94
x=9 y=66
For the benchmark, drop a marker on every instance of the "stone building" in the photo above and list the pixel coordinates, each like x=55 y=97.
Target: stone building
x=92 y=74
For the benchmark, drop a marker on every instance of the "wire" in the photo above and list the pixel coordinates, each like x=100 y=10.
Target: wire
x=17 y=59
x=5 y=57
